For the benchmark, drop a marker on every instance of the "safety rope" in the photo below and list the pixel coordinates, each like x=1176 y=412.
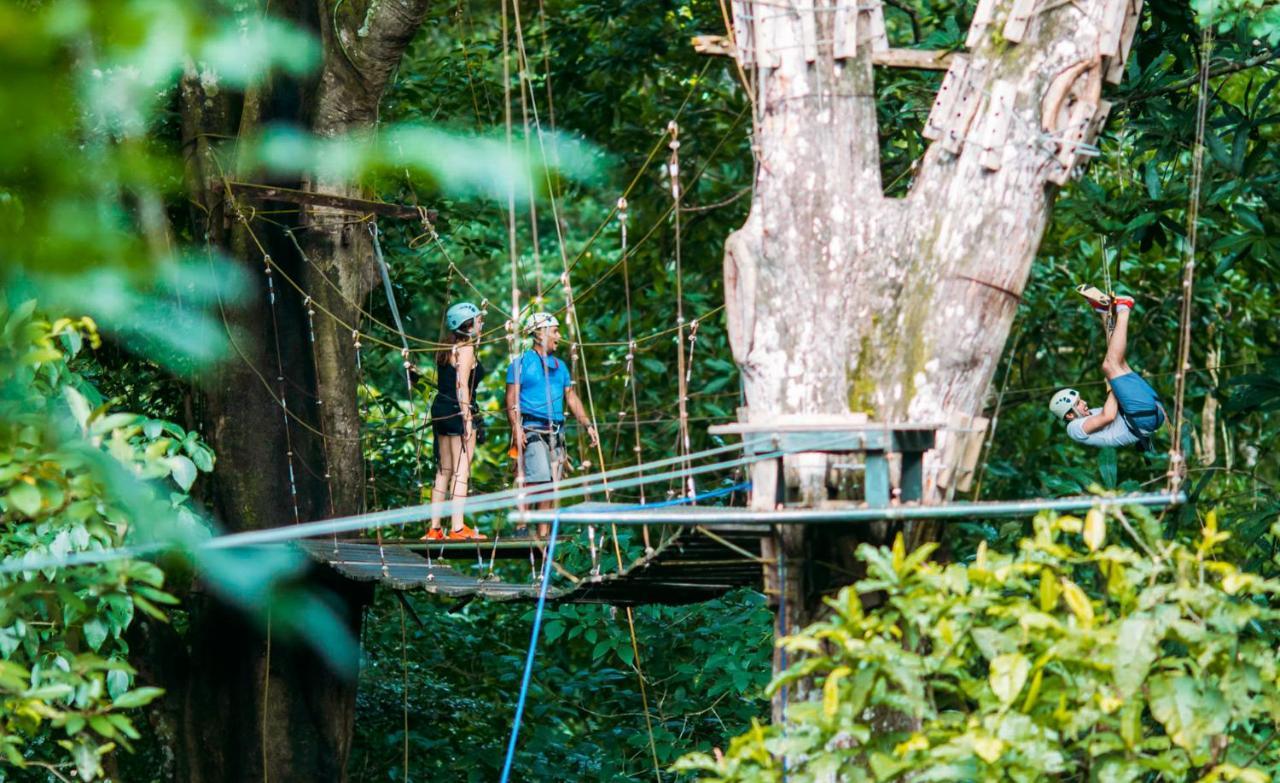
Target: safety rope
x=320 y=414
x=266 y=695
x=284 y=400
x=533 y=646
x=406 y=364
x=682 y=381
x=377 y=531
x=1177 y=466
x=404 y=688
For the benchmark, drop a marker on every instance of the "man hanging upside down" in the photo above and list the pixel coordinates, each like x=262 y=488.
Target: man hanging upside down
x=1132 y=412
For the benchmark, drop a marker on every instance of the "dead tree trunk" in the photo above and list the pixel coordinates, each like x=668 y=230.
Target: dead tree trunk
x=247 y=706
x=841 y=299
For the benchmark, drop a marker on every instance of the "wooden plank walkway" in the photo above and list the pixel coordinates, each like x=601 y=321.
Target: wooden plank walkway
x=690 y=566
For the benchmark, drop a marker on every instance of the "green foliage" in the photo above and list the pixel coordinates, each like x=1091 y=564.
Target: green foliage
x=705 y=669
x=76 y=477
x=1094 y=649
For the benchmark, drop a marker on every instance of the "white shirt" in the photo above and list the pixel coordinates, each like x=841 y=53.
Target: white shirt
x=1115 y=434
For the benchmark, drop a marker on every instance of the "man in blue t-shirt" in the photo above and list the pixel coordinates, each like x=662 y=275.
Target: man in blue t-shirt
x=1132 y=412
x=538 y=389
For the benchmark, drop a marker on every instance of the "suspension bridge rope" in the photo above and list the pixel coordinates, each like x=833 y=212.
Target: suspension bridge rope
x=1177 y=466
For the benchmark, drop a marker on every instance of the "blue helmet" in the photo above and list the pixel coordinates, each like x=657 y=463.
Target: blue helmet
x=459 y=314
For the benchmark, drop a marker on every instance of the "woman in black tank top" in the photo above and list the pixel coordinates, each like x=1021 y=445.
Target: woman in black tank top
x=454 y=419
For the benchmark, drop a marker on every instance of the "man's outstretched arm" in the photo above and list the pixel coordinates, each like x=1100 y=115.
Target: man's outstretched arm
x=1110 y=409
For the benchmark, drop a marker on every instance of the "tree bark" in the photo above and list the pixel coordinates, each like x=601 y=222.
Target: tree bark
x=841 y=299
x=246 y=704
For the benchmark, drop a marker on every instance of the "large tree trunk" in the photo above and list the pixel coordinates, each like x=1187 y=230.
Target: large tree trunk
x=843 y=300
x=246 y=704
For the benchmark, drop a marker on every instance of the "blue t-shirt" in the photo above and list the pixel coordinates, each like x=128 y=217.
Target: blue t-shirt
x=542 y=381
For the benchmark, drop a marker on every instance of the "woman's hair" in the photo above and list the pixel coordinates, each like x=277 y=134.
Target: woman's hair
x=452 y=339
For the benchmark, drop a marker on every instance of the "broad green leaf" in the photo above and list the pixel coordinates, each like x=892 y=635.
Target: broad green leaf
x=1191 y=712
x=184 y=471
x=95 y=633
x=1078 y=602
x=25 y=498
x=136 y=698
x=831 y=691
x=1136 y=649
x=1095 y=529
x=1007 y=674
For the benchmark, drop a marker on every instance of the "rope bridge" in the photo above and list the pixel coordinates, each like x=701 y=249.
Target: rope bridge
x=689 y=566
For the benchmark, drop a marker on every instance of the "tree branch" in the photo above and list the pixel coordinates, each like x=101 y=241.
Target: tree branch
x=1221 y=69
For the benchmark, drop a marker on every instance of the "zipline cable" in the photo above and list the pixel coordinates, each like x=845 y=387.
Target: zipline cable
x=397 y=517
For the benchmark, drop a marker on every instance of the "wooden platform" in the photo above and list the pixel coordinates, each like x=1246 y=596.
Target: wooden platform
x=690 y=566
x=503 y=549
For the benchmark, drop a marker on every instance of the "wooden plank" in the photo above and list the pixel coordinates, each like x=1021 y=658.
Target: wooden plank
x=1132 y=20
x=1113 y=14
x=872 y=16
x=1015 y=29
x=957 y=429
x=742 y=32
x=983 y=15
x=995 y=127
x=808 y=29
x=845 y=30
x=935 y=126
x=713 y=45
x=878 y=489
x=767 y=489
x=918 y=59
x=251 y=190
x=1098 y=121
x=961 y=116
x=967 y=468
x=768 y=54
x=921 y=59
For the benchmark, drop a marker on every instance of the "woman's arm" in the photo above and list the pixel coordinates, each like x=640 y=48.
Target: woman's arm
x=466 y=365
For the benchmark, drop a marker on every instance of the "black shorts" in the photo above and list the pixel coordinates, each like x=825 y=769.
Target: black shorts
x=447 y=419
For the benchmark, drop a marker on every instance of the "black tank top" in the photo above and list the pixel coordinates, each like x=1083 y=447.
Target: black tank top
x=446 y=400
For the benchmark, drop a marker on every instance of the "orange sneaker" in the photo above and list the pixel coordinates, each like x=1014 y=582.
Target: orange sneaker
x=434 y=534
x=465 y=533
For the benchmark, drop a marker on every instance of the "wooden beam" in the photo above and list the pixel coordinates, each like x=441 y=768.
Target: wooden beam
x=358 y=205
x=920 y=59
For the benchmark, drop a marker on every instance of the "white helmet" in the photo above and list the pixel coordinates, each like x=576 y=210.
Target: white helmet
x=1063 y=402
x=540 y=321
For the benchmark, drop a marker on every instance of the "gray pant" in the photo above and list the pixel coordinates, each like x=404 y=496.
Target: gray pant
x=543 y=461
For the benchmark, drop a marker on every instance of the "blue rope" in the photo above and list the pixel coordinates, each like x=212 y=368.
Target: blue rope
x=717 y=493
x=533 y=647
x=542 y=602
